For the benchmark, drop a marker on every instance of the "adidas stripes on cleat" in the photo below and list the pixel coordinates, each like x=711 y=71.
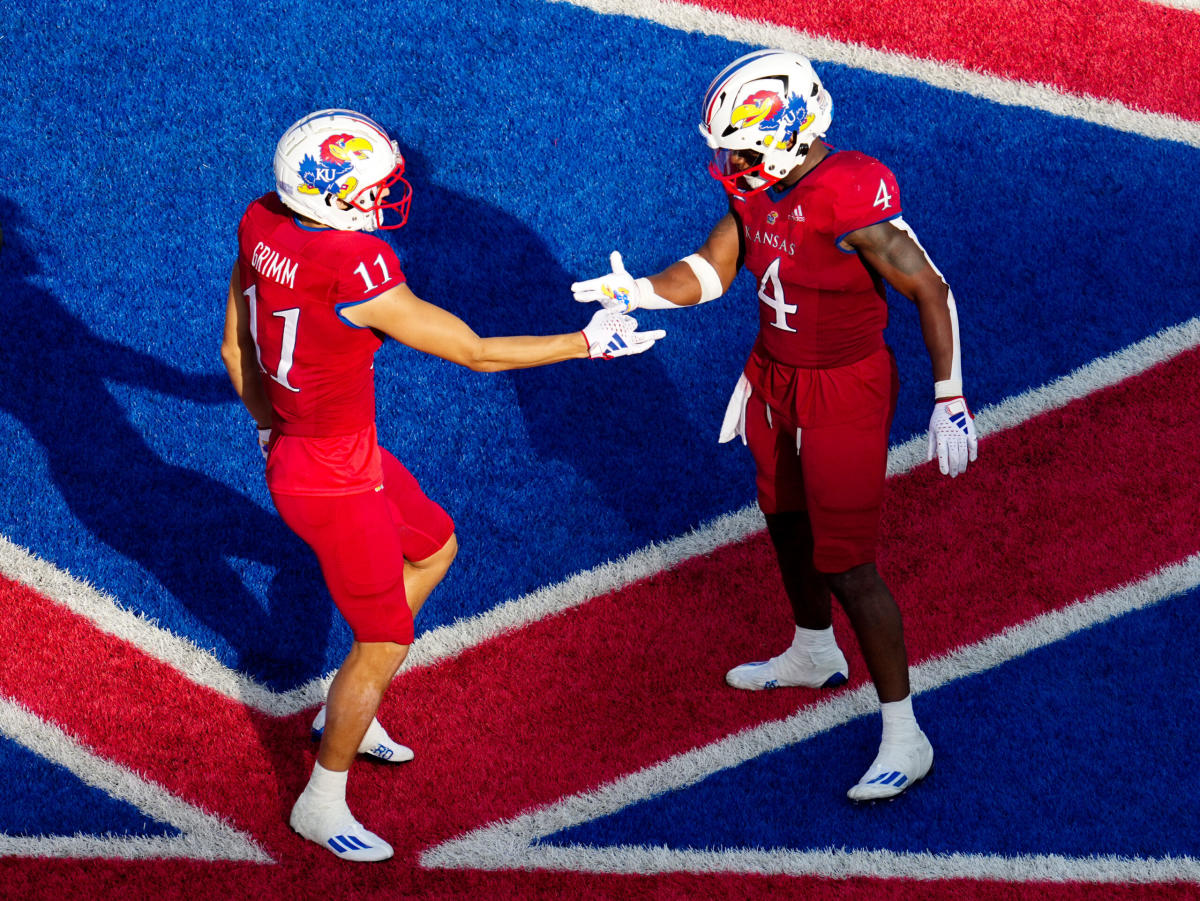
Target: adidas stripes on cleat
x=783 y=671
x=898 y=766
x=334 y=828
x=376 y=743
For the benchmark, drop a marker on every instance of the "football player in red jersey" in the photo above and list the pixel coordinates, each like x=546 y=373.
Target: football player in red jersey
x=821 y=230
x=310 y=297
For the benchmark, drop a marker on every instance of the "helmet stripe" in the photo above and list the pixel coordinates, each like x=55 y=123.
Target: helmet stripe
x=341 y=113
x=725 y=74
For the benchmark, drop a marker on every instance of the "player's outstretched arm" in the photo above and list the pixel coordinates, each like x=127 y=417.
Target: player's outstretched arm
x=401 y=315
x=698 y=278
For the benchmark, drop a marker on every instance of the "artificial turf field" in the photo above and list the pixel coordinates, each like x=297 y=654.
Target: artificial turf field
x=168 y=639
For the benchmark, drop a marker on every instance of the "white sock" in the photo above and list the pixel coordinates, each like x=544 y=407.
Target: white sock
x=899 y=722
x=807 y=642
x=327 y=786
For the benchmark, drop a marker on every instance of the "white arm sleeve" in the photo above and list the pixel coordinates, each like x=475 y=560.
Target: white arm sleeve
x=951 y=387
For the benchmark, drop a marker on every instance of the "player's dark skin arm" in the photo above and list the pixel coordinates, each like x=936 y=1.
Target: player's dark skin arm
x=891 y=253
x=678 y=284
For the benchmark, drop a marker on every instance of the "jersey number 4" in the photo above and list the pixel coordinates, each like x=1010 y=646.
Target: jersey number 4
x=287 y=348
x=770 y=292
x=883 y=197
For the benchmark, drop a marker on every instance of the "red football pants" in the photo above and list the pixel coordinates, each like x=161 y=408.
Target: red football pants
x=837 y=472
x=362 y=540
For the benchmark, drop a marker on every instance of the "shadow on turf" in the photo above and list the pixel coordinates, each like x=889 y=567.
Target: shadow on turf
x=602 y=418
x=179 y=525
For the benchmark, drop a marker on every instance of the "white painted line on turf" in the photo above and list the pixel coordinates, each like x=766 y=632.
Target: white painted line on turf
x=514 y=844
x=1186 y=5
x=103 y=610
x=203 y=836
x=1109 y=113
x=448 y=641
x=1101 y=373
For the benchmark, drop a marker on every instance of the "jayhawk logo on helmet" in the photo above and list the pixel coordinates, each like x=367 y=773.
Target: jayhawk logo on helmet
x=756 y=109
x=768 y=111
x=338 y=153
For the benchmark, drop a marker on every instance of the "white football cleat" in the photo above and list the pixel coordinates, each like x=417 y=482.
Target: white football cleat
x=898 y=766
x=820 y=671
x=376 y=743
x=333 y=827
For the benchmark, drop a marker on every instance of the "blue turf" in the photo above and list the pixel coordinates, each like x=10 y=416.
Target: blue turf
x=127 y=461
x=49 y=800
x=1083 y=747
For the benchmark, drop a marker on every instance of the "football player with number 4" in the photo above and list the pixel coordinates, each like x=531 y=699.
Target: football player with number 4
x=311 y=297
x=821 y=230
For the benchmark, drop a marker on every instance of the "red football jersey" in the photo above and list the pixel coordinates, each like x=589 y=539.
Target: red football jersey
x=819 y=306
x=317 y=367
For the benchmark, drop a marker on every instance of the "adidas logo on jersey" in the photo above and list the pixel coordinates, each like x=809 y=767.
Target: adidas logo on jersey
x=796 y=215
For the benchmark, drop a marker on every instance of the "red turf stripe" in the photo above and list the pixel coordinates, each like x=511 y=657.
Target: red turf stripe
x=143 y=714
x=1102 y=48
x=189 y=881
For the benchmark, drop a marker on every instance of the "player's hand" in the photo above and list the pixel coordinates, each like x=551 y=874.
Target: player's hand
x=616 y=290
x=952 y=436
x=264 y=441
x=612 y=334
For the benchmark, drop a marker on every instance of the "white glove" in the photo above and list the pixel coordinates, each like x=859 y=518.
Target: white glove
x=952 y=436
x=616 y=290
x=264 y=441
x=611 y=334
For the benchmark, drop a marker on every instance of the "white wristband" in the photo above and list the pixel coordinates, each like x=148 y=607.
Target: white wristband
x=948 y=388
x=648 y=300
x=710 y=282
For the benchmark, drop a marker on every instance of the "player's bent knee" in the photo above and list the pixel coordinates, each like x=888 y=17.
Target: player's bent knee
x=443 y=556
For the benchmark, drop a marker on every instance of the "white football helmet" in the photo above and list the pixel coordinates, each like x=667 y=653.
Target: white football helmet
x=338 y=154
x=762 y=114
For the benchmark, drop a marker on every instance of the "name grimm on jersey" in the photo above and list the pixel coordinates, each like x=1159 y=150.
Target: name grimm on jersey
x=269 y=263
